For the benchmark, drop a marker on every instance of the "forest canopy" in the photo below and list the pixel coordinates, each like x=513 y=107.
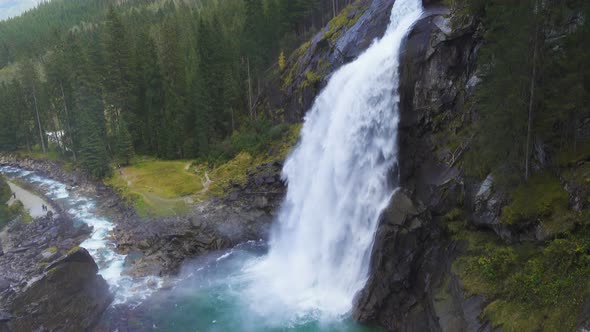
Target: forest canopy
x=103 y=80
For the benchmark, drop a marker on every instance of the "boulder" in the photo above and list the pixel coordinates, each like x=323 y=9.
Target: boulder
x=405 y=257
x=68 y=296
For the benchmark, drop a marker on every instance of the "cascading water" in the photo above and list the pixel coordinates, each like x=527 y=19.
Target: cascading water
x=337 y=185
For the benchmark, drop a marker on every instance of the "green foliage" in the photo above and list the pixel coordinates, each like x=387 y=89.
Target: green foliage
x=522 y=61
x=5 y=212
x=73 y=250
x=540 y=199
x=282 y=61
x=339 y=23
x=5 y=192
x=256 y=138
x=528 y=286
x=166 y=79
x=556 y=277
x=502 y=131
x=497 y=263
x=311 y=78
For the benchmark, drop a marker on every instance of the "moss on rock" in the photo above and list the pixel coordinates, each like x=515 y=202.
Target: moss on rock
x=540 y=199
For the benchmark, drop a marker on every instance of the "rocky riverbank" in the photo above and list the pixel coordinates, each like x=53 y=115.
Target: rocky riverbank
x=159 y=246
x=46 y=281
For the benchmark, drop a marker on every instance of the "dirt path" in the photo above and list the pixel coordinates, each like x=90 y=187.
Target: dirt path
x=32 y=203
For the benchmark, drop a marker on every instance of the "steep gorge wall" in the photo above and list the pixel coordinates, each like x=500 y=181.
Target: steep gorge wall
x=412 y=256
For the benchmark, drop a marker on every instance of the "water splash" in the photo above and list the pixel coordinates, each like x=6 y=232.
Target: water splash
x=338 y=179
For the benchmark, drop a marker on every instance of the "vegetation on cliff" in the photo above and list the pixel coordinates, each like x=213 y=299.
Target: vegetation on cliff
x=528 y=126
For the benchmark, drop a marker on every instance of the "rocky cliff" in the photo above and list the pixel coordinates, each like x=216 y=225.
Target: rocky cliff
x=413 y=254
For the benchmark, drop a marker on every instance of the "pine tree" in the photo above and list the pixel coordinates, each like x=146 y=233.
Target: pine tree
x=174 y=78
x=124 y=143
x=509 y=61
x=118 y=76
x=31 y=83
x=90 y=113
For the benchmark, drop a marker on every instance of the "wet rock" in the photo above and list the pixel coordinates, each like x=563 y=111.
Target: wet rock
x=167 y=242
x=402 y=267
x=49 y=255
x=4 y=284
x=4 y=317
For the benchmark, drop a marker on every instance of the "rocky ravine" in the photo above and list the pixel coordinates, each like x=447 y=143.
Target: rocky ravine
x=411 y=285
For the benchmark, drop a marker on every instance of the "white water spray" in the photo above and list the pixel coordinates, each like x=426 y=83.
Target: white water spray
x=338 y=186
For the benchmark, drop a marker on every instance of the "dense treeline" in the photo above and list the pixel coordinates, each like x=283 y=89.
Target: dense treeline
x=535 y=78
x=170 y=79
x=32 y=33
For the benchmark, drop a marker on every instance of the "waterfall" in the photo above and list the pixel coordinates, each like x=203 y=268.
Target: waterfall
x=338 y=184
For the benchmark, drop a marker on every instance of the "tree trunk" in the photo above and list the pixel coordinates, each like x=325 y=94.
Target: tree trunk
x=249 y=88
x=531 y=102
x=333 y=8
x=233 y=124
x=68 y=124
x=39 y=122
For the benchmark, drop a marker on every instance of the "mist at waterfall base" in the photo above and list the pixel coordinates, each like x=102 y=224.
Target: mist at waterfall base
x=306 y=277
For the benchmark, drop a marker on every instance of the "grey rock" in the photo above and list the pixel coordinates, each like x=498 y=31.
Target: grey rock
x=68 y=296
x=412 y=256
x=4 y=284
x=4 y=317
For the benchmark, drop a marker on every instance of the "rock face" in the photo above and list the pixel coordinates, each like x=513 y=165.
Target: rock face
x=402 y=269
x=410 y=285
x=43 y=289
x=412 y=254
x=68 y=296
x=332 y=47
